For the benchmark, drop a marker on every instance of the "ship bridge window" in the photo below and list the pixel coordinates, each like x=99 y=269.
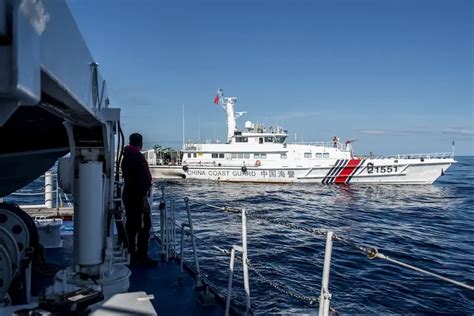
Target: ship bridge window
x=260 y=140
x=326 y=155
x=240 y=155
x=279 y=139
x=260 y=156
x=307 y=155
x=246 y=155
x=268 y=139
x=283 y=156
x=189 y=155
x=319 y=155
x=217 y=155
x=241 y=140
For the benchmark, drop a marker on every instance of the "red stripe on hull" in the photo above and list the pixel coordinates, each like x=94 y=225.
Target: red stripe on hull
x=347 y=171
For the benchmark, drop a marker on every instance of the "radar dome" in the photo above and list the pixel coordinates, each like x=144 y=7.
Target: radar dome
x=248 y=125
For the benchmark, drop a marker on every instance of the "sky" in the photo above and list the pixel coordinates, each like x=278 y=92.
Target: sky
x=396 y=76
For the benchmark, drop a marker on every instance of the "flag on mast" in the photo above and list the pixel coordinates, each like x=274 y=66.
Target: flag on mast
x=218 y=98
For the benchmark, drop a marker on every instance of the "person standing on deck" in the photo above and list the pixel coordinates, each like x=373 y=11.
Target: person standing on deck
x=137 y=178
x=335 y=141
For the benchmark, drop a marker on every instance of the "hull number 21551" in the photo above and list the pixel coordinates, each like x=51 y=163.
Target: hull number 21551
x=381 y=169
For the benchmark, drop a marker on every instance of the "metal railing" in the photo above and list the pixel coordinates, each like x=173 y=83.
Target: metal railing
x=232 y=252
x=445 y=155
x=330 y=236
x=59 y=200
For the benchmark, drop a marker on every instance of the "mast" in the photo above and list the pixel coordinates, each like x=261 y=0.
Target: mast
x=183 y=126
x=231 y=124
x=228 y=104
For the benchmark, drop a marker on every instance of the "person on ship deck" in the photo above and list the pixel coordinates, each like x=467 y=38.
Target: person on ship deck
x=137 y=178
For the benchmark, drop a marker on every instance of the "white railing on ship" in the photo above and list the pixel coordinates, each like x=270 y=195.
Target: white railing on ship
x=61 y=198
x=324 y=296
x=446 y=155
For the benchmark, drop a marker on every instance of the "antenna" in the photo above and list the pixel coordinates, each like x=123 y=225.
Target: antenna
x=199 y=127
x=183 y=125
x=452 y=149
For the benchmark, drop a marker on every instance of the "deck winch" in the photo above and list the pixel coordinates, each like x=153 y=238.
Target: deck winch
x=18 y=246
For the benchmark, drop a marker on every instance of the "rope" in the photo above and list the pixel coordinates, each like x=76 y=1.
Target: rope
x=371 y=252
x=309 y=300
x=312 y=231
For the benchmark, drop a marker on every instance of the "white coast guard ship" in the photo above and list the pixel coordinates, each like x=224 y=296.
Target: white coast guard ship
x=258 y=154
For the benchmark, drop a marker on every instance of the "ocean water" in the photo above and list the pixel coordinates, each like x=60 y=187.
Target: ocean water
x=429 y=226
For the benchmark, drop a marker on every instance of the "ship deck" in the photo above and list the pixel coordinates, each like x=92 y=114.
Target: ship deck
x=170 y=297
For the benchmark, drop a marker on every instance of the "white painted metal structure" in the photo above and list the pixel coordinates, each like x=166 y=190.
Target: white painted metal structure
x=260 y=154
x=53 y=100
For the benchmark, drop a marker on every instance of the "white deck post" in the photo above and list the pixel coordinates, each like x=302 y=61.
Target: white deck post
x=325 y=297
x=244 y=261
x=48 y=189
x=162 y=224
x=166 y=234
x=173 y=226
x=181 y=254
x=229 y=281
x=191 y=231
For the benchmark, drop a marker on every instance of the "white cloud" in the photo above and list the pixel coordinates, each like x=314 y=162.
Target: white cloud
x=458 y=131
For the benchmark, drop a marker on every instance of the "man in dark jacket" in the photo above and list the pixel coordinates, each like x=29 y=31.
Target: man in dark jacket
x=137 y=178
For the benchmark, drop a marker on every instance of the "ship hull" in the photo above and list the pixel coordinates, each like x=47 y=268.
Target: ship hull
x=341 y=171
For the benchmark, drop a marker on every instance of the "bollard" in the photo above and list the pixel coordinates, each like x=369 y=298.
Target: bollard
x=325 y=297
x=48 y=189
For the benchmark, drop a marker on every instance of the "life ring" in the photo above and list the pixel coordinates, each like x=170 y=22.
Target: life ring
x=185 y=168
x=244 y=169
x=258 y=163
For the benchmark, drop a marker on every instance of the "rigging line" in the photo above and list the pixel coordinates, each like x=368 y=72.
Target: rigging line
x=371 y=252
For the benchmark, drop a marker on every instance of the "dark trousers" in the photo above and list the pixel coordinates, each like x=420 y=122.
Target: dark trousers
x=138 y=224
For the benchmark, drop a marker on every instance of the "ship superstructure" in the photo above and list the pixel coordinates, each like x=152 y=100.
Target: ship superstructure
x=263 y=154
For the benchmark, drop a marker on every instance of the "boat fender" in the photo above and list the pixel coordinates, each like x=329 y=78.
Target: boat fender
x=167 y=161
x=219 y=164
x=244 y=169
x=258 y=163
x=185 y=168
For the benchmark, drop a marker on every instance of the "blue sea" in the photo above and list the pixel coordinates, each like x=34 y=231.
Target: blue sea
x=428 y=226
